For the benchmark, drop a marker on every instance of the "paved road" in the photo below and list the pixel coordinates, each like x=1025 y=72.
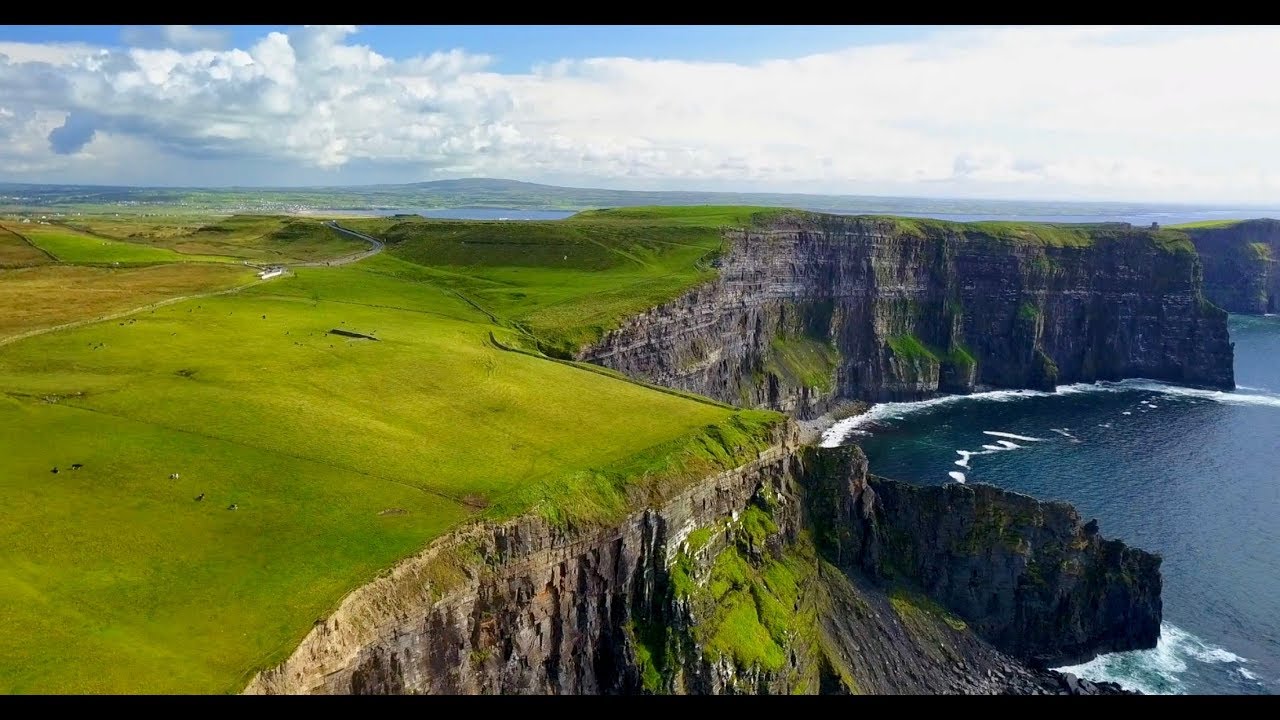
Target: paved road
x=376 y=247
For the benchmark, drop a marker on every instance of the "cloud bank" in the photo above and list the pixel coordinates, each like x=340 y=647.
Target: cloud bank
x=1071 y=113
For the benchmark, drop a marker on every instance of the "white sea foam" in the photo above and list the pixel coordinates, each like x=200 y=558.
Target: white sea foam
x=994 y=433
x=1062 y=431
x=1247 y=675
x=898 y=410
x=1156 y=671
x=1007 y=445
x=994 y=448
x=964 y=458
x=957 y=476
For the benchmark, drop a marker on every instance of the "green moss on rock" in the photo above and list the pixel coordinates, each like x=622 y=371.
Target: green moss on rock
x=909 y=348
x=803 y=361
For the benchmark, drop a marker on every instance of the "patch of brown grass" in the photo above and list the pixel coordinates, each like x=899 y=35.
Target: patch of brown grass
x=16 y=252
x=37 y=297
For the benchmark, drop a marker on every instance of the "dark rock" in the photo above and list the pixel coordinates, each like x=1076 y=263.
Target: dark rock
x=964 y=309
x=546 y=609
x=1022 y=573
x=1240 y=265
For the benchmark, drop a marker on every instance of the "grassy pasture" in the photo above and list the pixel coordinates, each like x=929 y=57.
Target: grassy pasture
x=48 y=295
x=17 y=252
x=259 y=238
x=76 y=247
x=568 y=281
x=342 y=456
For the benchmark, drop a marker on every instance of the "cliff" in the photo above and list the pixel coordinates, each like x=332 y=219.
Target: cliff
x=1029 y=576
x=815 y=309
x=1240 y=265
x=735 y=585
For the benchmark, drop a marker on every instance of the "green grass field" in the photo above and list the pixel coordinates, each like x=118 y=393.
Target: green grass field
x=72 y=246
x=341 y=455
x=109 y=239
x=259 y=238
x=568 y=281
x=1206 y=224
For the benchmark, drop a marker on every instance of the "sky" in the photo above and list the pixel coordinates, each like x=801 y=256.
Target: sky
x=1155 y=114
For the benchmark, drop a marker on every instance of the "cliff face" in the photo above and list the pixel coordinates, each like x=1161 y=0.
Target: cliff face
x=734 y=586
x=1029 y=576
x=820 y=309
x=1240 y=265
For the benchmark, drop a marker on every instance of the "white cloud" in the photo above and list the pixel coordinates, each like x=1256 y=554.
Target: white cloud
x=1106 y=113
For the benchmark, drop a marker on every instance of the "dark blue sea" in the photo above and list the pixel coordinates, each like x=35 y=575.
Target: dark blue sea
x=1193 y=475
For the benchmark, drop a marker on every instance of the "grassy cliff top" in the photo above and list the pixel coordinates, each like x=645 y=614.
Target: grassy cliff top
x=1059 y=235
x=568 y=282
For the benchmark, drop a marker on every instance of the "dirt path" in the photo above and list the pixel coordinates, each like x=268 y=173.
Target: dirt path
x=377 y=246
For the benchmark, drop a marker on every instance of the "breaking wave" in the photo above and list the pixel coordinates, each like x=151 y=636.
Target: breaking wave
x=1158 y=671
x=1012 y=436
x=898 y=410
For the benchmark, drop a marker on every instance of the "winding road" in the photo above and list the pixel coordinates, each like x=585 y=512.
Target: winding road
x=376 y=246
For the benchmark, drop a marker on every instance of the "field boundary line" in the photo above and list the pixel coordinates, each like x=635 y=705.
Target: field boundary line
x=28 y=241
x=377 y=248
x=614 y=374
x=126 y=313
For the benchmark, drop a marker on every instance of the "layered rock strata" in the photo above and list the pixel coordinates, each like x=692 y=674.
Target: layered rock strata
x=809 y=312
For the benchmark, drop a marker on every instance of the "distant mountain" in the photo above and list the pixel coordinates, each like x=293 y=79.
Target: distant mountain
x=517 y=195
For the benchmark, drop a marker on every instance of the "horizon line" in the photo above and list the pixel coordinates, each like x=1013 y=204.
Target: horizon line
x=1213 y=204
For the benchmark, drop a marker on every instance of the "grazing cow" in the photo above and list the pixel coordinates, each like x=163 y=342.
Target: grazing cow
x=232 y=506
x=54 y=470
x=76 y=466
x=173 y=476
x=200 y=497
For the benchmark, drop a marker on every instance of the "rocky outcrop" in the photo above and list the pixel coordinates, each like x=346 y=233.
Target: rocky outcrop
x=1241 y=274
x=732 y=586
x=813 y=310
x=1029 y=576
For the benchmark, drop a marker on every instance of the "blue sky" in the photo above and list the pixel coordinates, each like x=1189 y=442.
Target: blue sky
x=517 y=48
x=1043 y=112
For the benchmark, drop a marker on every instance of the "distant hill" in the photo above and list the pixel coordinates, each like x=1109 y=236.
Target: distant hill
x=517 y=195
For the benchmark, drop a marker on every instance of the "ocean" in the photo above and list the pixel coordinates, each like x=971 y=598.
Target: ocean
x=1191 y=474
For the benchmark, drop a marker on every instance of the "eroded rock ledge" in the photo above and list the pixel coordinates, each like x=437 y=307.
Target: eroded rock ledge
x=794 y=573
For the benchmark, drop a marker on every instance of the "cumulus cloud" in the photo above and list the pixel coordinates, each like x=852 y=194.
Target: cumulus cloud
x=1159 y=114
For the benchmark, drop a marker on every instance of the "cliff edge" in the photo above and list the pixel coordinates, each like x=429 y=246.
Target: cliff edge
x=813 y=309
x=745 y=583
x=1240 y=264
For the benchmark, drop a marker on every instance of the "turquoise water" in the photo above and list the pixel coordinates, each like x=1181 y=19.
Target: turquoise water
x=1191 y=474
